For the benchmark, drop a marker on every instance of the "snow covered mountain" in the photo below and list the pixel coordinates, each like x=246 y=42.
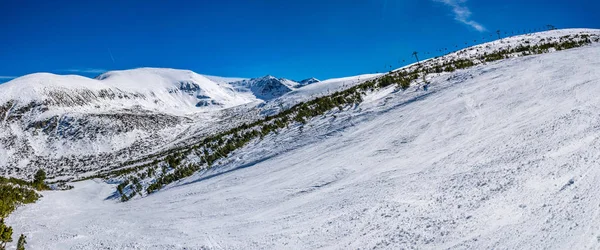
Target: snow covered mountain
x=308 y=81
x=70 y=124
x=502 y=153
x=167 y=90
x=266 y=87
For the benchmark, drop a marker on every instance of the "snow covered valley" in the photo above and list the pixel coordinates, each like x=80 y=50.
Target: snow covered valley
x=503 y=155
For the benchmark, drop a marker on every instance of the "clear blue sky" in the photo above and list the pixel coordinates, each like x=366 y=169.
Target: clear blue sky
x=251 y=38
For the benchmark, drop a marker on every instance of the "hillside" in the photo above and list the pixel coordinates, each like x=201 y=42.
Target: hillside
x=72 y=125
x=498 y=154
x=67 y=124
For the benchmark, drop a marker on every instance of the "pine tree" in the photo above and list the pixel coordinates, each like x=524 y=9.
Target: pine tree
x=39 y=178
x=5 y=234
x=21 y=243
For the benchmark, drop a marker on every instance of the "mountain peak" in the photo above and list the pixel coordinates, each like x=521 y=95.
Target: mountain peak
x=267 y=87
x=266 y=77
x=308 y=81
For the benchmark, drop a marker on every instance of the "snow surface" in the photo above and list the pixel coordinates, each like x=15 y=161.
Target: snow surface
x=503 y=155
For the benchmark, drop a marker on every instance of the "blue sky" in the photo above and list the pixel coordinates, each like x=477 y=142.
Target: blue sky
x=249 y=38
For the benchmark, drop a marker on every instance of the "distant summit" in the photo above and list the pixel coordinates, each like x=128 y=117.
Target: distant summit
x=267 y=87
x=308 y=81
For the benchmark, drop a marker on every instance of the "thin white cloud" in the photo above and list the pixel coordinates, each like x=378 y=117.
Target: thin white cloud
x=462 y=13
x=85 y=70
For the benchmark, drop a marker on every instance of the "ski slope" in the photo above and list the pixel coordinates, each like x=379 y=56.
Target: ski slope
x=504 y=155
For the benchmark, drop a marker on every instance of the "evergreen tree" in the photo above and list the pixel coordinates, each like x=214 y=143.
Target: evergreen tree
x=21 y=243
x=39 y=178
x=5 y=234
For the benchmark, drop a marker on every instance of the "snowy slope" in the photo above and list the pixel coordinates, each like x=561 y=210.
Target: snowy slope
x=71 y=124
x=502 y=155
x=314 y=90
x=531 y=39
